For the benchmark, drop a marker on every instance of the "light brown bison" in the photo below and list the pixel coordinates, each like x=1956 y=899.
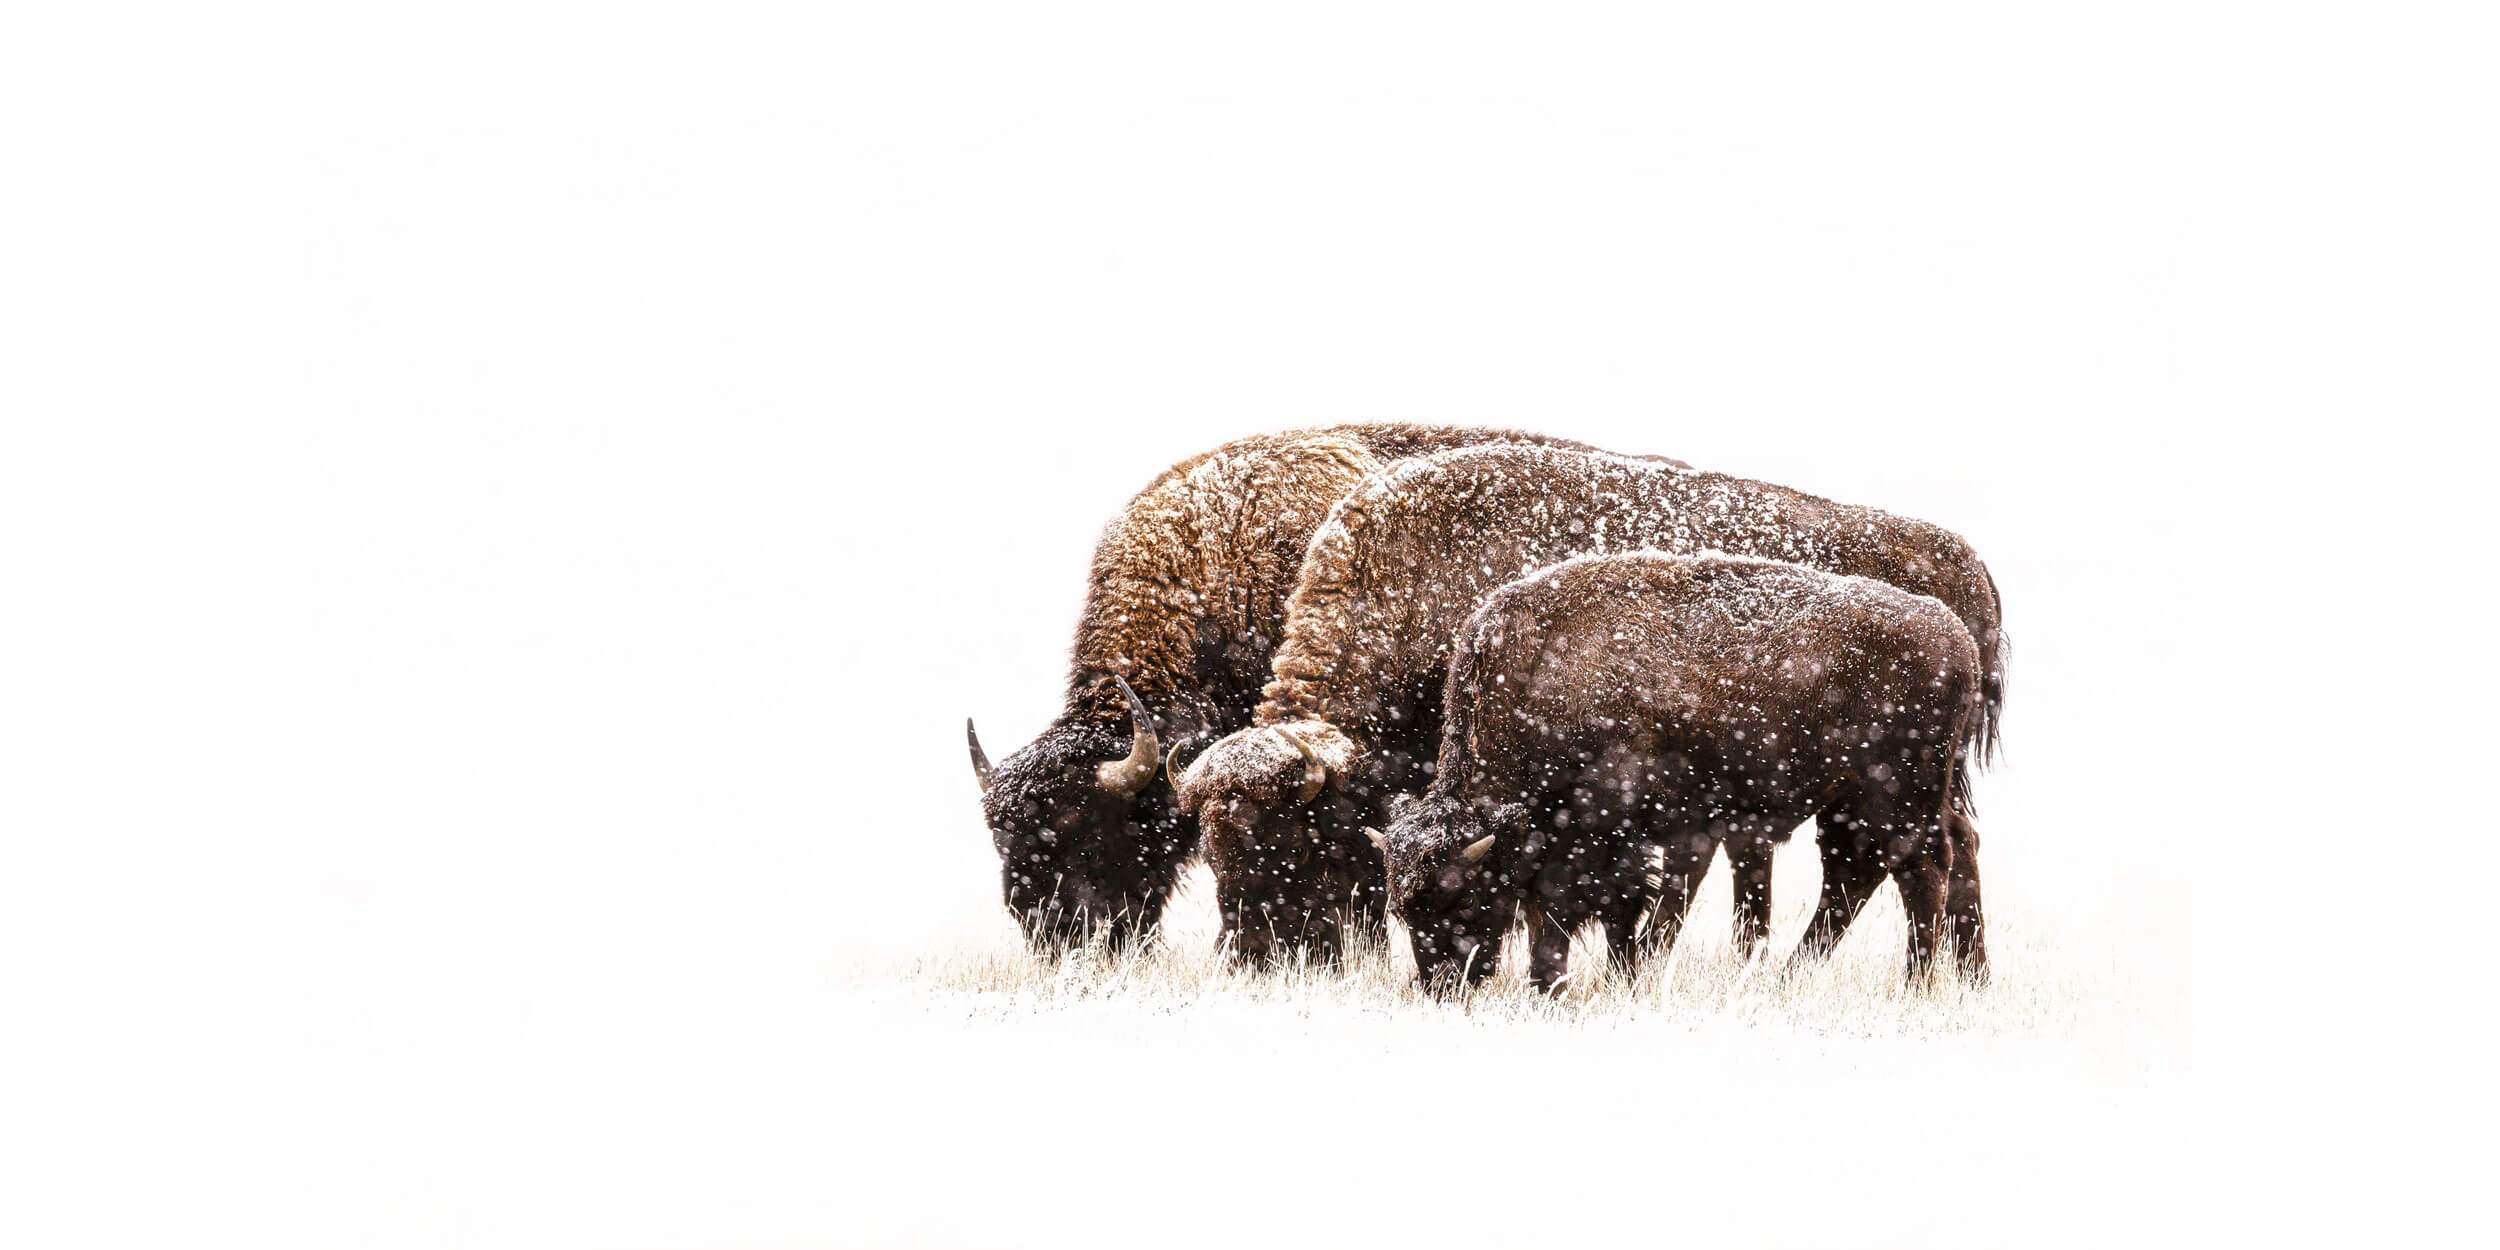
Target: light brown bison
x=1183 y=614
x=1616 y=702
x=1352 y=717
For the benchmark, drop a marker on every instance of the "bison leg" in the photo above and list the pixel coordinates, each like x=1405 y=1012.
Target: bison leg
x=1622 y=919
x=1627 y=899
x=1921 y=864
x=1853 y=866
x=1963 y=919
x=1687 y=858
x=1749 y=863
x=1549 y=948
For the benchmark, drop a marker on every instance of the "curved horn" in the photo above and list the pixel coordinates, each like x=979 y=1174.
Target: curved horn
x=1314 y=773
x=1476 y=850
x=1172 y=758
x=1378 y=838
x=1125 y=777
x=980 y=762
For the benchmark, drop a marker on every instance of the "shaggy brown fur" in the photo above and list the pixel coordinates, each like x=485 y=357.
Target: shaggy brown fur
x=1614 y=701
x=1405 y=558
x=1186 y=602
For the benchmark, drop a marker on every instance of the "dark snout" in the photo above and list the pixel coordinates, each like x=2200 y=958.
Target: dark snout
x=1054 y=923
x=1446 y=966
x=1268 y=939
x=1050 y=927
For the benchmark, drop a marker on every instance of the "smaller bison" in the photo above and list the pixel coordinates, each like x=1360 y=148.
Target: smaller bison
x=1612 y=702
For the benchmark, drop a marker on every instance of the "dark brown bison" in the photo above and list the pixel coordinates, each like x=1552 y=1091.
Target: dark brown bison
x=1353 y=715
x=1186 y=606
x=1613 y=702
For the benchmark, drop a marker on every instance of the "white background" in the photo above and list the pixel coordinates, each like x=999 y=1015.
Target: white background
x=506 y=511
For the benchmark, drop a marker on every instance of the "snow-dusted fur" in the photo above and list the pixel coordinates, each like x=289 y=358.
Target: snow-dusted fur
x=1187 y=594
x=1406 y=556
x=1612 y=703
x=1186 y=601
x=1494 y=513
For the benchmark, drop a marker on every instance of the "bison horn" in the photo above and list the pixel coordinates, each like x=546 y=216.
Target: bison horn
x=1125 y=777
x=1314 y=773
x=1476 y=850
x=1172 y=758
x=980 y=761
x=1378 y=838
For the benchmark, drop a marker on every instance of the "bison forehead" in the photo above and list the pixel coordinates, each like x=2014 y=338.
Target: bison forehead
x=1420 y=841
x=1246 y=762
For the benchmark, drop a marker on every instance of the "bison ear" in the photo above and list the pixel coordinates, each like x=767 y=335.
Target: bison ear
x=1477 y=850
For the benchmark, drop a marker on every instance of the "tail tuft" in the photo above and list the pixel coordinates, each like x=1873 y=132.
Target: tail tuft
x=1991 y=696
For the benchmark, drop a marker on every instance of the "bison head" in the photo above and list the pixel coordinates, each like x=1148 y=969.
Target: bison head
x=1447 y=883
x=1289 y=870
x=1084 y=837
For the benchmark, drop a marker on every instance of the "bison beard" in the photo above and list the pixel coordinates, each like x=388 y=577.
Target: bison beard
x=1403 y=560
x=1183 y=614
x=1650 y=700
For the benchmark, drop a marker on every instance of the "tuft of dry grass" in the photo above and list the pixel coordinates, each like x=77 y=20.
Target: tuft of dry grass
x=1859 y=991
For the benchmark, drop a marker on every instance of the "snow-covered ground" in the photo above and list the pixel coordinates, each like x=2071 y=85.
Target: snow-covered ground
x=1716 y=1099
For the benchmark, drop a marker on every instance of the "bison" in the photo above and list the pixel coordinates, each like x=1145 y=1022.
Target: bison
x=1611 y=702
x=1352 y=717
x=1182 y=615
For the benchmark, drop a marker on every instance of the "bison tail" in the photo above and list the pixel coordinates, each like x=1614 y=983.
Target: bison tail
x=1979 y=734
x=1991 y=697
x=1994 y=650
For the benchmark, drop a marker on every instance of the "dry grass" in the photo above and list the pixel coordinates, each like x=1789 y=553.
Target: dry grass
x=1859 y=991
